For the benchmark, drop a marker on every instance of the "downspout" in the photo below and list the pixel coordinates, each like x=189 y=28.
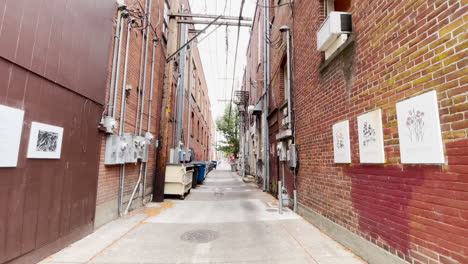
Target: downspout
x=266 y=170
x=142 y=61
x=189 y=126
x=122 y=114
x=181 y=88
x=288 y=57
x=148 y=23
x=115 y=64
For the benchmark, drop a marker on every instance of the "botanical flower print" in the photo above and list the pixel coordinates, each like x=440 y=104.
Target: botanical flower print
x=339 y=139
x=415 y=125
x=369 y=134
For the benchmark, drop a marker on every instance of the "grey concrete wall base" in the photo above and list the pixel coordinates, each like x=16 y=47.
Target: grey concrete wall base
x=109 y=211
x=360 y=246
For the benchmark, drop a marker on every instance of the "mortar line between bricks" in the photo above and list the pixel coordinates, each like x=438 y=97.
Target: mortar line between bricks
x=298 y=242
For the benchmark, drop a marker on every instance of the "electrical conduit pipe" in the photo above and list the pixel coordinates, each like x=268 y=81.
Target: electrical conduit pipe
x=122 y=114
x=148 y=23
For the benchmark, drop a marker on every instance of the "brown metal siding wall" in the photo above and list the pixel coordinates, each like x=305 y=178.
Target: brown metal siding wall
x=65 y=41
x=53 y=65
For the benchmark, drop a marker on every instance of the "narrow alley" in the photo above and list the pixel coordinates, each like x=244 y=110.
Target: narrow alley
x=234 y=131
x=222 y=221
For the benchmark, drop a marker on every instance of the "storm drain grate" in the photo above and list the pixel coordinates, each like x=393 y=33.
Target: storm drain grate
x=200 y=236
x=272 y=210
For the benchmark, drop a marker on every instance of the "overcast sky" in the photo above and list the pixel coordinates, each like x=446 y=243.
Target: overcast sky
x=213 y=50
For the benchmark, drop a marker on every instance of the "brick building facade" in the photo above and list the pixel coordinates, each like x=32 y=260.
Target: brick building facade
x=390 y=212
x=138 y=97
x=253 y=85
x=198 y=119
x=110 y=175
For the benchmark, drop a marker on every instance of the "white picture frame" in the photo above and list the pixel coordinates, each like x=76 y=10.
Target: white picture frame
x=419 y=130
x=45 y=141
x=371 y=143
x=341 y=142
x=11 y=126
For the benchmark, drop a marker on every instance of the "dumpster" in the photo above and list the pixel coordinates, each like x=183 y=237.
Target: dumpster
x=215 y=163
x=201 y=171
x=209 y=166
x=196 y=170
x=234 y=167
x=178 y=179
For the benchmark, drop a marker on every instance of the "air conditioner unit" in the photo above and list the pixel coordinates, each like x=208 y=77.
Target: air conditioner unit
x=337 y=23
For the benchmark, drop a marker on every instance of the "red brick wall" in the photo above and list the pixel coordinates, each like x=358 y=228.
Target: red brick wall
x=254 y=73
x=402 y=49
x=281 y=16
x=108 y=183
x=199 y=136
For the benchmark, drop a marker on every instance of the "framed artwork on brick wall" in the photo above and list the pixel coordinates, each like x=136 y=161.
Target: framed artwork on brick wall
x=371 y=145
x=419 y=130
x=341 y=142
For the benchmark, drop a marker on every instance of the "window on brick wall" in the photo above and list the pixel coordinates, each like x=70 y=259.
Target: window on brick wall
x=199 y=93
x=198 y=130
x=166 y=19
x=338 y=5
x=192 y=123
x=193 y=79
x=336 y=28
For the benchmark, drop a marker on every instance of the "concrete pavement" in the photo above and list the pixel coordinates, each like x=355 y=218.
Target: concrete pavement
x=222 y=221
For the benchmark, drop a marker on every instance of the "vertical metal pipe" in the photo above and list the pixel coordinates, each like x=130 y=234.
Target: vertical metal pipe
x=148 y=24
x=122 y=118
x=115 y=65
x=146 y=35
x=124 y=81
x=280 y=198
x=189 y=126
x=266 y=99
x=288 y=57
x=295 y=201
x=121 y=188
x=181 y=85
x=140 y=82
x=283 y=174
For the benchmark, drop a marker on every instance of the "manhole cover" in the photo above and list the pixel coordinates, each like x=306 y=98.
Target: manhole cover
x=272 y=210
x=200 y=236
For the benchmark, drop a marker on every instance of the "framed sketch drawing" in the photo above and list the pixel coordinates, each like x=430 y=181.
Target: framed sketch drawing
x=371 y=145
x=419 y=130
x=45 y=141
x=11 y=125
x=341 y=142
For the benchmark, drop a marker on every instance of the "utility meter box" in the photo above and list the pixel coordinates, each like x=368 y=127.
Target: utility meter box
x=292 y=156
x=131 y=156
x=281 y=148
x=116 y=150
x=185 y=155
x=140 y=147
x=146 y=150
x=147 y=139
